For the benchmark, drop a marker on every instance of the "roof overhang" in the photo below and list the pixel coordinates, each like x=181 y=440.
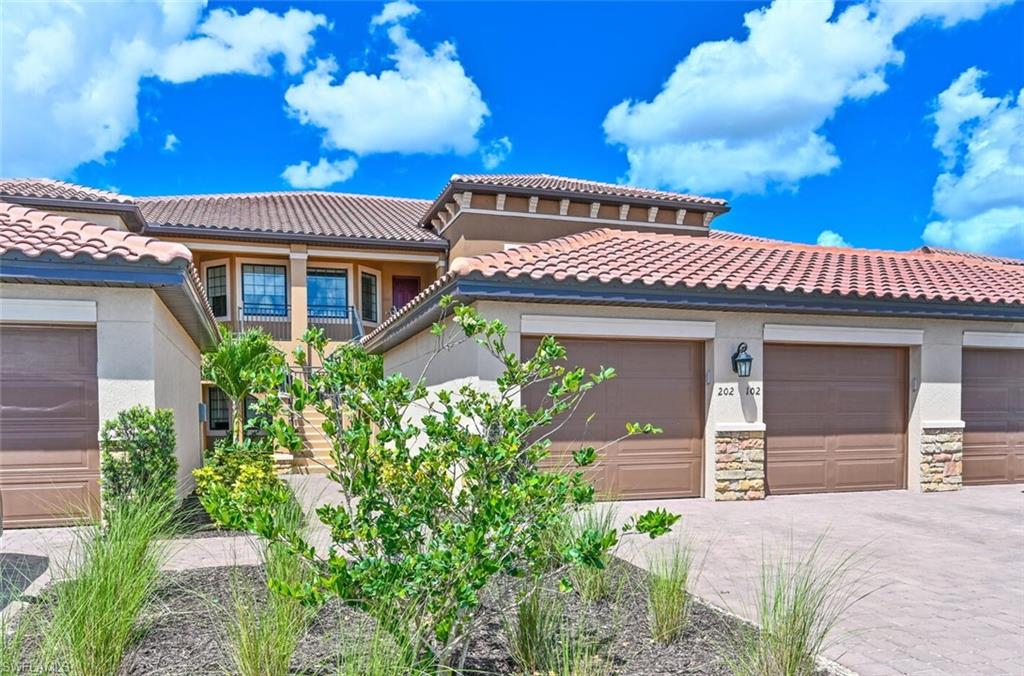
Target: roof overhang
x=173 y=283
x=475 y=287
x=195 y=231
x=455 y=186
x=128 y=212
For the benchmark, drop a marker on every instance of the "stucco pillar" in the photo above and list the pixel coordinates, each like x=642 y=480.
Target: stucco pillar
x=935 y=434
x=734 y=466
x=298 y=298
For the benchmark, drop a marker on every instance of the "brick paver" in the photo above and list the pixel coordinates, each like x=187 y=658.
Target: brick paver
x=950 y=567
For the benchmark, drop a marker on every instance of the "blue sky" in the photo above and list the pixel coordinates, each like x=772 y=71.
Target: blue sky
x=813 y=118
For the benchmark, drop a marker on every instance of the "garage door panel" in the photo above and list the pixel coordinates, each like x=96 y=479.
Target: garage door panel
x=660 y=383
x=993 y=412
x=49 y=419
x=868 y=474
x=835 y=418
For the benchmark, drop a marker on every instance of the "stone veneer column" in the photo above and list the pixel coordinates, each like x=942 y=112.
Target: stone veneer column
x=942 y=459
x=739 y=465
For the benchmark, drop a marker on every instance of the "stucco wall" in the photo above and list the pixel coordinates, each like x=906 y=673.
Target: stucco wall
x=934 y=366
x=143 y=357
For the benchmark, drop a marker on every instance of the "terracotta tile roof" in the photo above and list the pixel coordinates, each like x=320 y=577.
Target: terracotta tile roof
x=50 y=189
x=309 y=214
x=970 y=255
x=549 y=182
x=33 y=233
x=649 y=259
x=739 y=237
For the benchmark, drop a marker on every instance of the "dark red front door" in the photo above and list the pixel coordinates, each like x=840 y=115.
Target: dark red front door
x=404 y=289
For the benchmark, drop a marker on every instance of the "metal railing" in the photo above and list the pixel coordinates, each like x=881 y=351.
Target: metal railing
x=339 y=322
x=272 y=318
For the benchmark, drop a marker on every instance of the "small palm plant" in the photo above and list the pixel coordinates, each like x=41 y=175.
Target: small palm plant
x=233 y=368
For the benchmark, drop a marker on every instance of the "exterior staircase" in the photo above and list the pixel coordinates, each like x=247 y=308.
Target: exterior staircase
x=315 y=458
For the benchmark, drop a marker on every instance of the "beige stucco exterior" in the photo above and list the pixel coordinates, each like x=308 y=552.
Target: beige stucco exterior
x=934 y=354
x=144 y=356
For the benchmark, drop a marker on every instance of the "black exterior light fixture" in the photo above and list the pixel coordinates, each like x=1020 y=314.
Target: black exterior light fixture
x=741 y=361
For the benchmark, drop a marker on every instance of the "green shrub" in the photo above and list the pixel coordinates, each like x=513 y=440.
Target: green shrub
x=137 y=455
x=668 y=595
x=94 y=612
x=233 y=479
x=434 y=509
x=800 y=600
x=592 y=580
x=533 y=636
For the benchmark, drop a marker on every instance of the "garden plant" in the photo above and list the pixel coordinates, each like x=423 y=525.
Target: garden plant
x=137 y=456
x=440 y=492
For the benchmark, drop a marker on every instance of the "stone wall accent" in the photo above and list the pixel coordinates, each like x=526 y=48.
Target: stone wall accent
x=739 y=466
x=942 y=459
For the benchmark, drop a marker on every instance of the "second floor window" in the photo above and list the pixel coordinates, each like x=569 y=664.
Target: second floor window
x=327 y=290
x=217 y=289
x=264 y=290
x=369 y=290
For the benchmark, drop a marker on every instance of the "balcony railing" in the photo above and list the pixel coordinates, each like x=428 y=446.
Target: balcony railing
x=274 y=319
x=339 y=322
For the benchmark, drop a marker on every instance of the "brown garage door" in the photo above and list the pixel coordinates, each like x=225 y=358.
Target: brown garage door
x=49 y=460
x=993 y=410
x=836 y=418
x=657 y=382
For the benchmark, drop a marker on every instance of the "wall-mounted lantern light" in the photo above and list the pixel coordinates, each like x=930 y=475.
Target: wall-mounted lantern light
x=741 y=361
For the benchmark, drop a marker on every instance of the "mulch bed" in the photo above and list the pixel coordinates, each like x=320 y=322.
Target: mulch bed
x=184 y=634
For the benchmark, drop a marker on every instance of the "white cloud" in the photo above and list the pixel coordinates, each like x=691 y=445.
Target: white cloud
x=831 y=238
x=495 y=152
x=426 y=104
x=71 y=71
x=744 y=115
x=171 y=143
x=229 y=42
x=394 y=12
x=980 y=194
x=320 y=175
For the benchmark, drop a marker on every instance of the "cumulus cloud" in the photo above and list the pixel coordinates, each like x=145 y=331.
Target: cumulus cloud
x=320 y=175
x=743 y=115
x=495 y=152
x=426 y=104
x=72 y=71
x=979 y=195
x=394 y=12
x=171 y=143
x=831 y=238
x=228 y=42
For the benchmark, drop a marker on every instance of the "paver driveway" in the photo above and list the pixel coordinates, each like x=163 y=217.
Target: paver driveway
x=952 y=565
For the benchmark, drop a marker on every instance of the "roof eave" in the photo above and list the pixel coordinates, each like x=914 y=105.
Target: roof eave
x=171 y=282
x=129 y=212
x=478 y=287
x=285 y=238
x=453 y=186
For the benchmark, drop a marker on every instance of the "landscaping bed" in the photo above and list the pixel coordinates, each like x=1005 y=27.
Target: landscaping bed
x=183 y=630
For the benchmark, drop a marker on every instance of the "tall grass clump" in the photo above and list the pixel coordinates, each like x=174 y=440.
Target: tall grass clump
x=668 y=592
x=594 y=583
x=800 y=600
x=263 y=633
x=13 y=649
x=385 y=652
x=92 y=623
x=532 y=636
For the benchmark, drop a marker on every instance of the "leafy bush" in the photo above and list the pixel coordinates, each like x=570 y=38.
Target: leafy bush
x=234 y=367
x=234 y=478
x=94 y=612
x=800 y=600
x=668 y=594
x=137 y=455
x=433 y=508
